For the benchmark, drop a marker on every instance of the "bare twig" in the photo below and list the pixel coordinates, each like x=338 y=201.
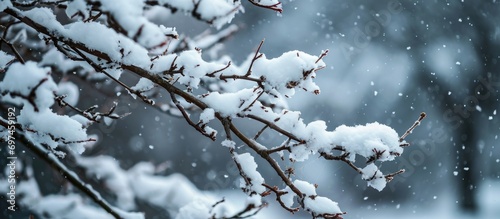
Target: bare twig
x=417 y=123
x=343 y=158
x=3 y=39
x=323 y=54
x=390 y=176
x=274 y=127
x=188 y=119
x=89 y=114
x=280 y=193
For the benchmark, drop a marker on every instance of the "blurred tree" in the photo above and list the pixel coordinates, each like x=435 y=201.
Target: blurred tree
x=454 y=45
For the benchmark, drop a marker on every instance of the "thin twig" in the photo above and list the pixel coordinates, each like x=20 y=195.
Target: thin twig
x=188 y=120
x=343 y=158
x=260 y=132
x=279 y=193
x=14 y=50
x=417 y=123
x=255 y=57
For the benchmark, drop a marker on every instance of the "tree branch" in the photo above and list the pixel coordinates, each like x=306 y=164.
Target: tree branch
x=72 y=177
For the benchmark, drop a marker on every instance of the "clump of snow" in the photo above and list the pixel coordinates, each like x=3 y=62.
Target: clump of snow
x=173 y=191
x=33 y=87
x=207 y=115
x=305 y=187
x=321 y=205
x=288 y=71
x=374 y=177
x=77 y=7
x=194 y=67
x=287 y=198
x=221 y=12
x=144 y=84
x=312 y=202
x=20 y=80
x=117 y=47
x=249 y=168
x=228 y=143
x=129 y=15
x=363 y=140
x=47 y=125
x=230 y=104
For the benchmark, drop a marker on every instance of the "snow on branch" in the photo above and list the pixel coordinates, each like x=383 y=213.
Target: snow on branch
x=103 y=38
x=34 y=88
x=269 y=4
x=216 y=12
x=72 y=210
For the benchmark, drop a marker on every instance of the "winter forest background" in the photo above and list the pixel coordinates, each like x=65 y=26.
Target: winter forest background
x=388 y=61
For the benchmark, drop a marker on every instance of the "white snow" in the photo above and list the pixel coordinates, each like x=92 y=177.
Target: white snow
x=287 y=72
x=249 y=168
x=219 y=12
x=363 y=140
x=228 y=143
x=4 y=59
x=77 y=7
x=46 y=122
x=305 y=187
x=207 y=115
x=313 y=202
x=95 y=36
x=196 y=209
x=321 y=205
x=229 y=104
x=288 y=198
x=21 y=79
x=115 y=179
x=144 y=84
x=71 y=91
x=374 y=177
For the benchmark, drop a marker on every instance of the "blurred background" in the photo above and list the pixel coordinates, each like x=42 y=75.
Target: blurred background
x=388 y=62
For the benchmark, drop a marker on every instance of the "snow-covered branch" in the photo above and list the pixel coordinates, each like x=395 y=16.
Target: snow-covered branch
x=71 y=176
x=105 y=39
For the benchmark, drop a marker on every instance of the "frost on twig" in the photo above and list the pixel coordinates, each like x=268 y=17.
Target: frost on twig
x=100 y=40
